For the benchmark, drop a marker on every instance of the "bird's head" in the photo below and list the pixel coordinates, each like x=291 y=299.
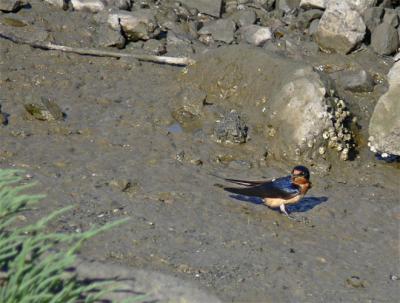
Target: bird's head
x=301 y=175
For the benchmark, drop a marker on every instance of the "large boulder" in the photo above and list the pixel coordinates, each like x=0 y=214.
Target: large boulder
x=341 y=29
x=285 y=104
x=384 y=126
x=385 y=39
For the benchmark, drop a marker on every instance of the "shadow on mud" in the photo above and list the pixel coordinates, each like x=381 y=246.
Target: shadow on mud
x=304 y=205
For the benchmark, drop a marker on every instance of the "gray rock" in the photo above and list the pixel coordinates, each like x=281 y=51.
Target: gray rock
x=384 y=126
x=391 y=17
x=265 y=4
x=11 y=5
x=255 y=34
x=220 y=30
x=119 y=4
x=244 y=17
x=359 y=5
x=137 y=25
x=312 y=30
x=209 y=7
x=373 y=17
x=63 y=4
x=107 y=36
x=305 y=18
x=192 y=100
x=178 y=45
x=130 y=281
x=340 y=29
x=287 y=5
x=155 y=47
x=356 y=81
x=307 y=4
x=385 y=39
x=231 y=129
x=93 y=6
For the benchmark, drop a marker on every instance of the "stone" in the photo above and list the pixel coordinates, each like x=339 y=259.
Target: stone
x=313 y=28
x=244 y=17
x=359 y=5
x=108 y=36
x=255 y=34
x=265 y=4
x=356 y=81
x=385 y=39
x=391 y=17
x=340 y=29
x=63 y=4
x=136 y=25
x=289 y=103
x=8 y=6
x=220 y=30
x=209 y=7
x=155 y=47
x=231 y=129
x=384 y=126
x=93 y=6
x=373 y=17
x=178 y=45
x=119 y=4
x=46 y=111
x=307 y=4
x=305 y=18
x=287 y=5
x=192 y=100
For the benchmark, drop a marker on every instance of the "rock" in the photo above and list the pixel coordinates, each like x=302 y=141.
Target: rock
x=312 y=30
x=384 y=126
x=287 y=5
x=178 y=45
x=158 y=287
x=137 y=25
x=155 y=47
x=340 y=29
x=305 y=18
x=231 y=129
x=359 y=5
x=373 y=17
x=255 y=34
x=244 y=17
x=63 y=4
x=8 y=6
x=355 y=282
x=192 y=100
x=209 y=7
x=391 y=17
x=356 y=81
x=220 y=30
x=47 y=111
x=307 y=4
x=93 y=6
x=120 y=4
x=292 y=112
x=385 y=39
x=108 y=36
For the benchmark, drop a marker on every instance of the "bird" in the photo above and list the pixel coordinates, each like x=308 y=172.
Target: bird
x=276 y=192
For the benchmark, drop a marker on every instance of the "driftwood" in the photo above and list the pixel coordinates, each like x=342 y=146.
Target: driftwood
x=96 y=52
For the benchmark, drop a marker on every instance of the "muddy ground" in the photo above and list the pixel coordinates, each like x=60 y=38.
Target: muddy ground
x=118 y=153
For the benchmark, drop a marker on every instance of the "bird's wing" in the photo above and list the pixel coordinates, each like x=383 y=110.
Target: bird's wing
x=246 y=182
x=279 y=188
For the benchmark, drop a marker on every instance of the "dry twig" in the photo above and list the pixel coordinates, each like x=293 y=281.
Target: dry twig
x=96 y=52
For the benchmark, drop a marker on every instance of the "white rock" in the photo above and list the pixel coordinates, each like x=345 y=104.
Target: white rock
x=313 y=4
x=340 y=29
x=93 y=6
x=255 y=34
x=384 y=126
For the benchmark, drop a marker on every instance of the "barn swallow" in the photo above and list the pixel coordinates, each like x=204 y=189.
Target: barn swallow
x=276 y=192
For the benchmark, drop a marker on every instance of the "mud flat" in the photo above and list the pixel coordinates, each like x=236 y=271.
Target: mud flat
x=127 y=138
